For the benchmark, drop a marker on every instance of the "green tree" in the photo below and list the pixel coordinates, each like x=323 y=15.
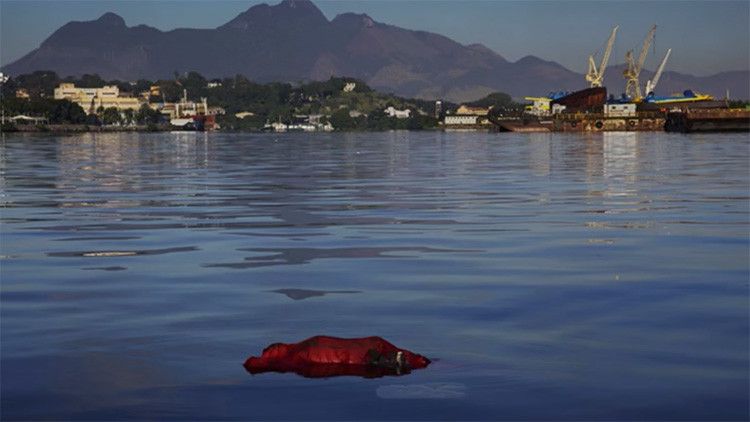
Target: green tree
x=64 y=111
x=341 y=120
x=128 y=116
x=146 y=115
x=111 y=116
x=39 y=83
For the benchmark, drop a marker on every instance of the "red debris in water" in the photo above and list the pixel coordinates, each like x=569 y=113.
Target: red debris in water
x=323 y=356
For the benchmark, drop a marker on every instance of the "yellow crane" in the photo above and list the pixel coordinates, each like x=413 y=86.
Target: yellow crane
x=596 y=75
x=633 y=71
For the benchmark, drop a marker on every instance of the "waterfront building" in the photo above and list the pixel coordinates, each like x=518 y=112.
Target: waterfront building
x=462 y=120
x=438 y=109
x=184 y=109
x=91 y=99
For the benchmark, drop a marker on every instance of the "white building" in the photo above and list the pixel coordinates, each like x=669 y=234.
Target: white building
x=399 y=114
x=461 y=119
x=619 y=110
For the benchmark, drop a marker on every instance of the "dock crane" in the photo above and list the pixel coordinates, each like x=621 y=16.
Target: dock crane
x=596 y=75
x=633 y=71
x=651 y=85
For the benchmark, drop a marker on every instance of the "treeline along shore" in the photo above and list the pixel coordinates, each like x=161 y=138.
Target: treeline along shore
x=43 y=101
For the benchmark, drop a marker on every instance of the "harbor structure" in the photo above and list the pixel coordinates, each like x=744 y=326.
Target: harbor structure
x=540 y=106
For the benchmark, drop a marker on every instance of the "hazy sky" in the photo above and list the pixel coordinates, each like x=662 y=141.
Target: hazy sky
x=705 y=36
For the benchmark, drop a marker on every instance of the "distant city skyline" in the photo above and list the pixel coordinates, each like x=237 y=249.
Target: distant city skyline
x=707 y=37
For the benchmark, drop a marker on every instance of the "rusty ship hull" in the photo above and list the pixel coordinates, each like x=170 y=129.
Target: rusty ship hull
x=598 y=122
x=585 y=99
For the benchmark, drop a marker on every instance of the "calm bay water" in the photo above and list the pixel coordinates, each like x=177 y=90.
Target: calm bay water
x=548 y=276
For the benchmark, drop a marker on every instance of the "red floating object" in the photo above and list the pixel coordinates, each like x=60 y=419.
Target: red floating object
x=323 y=356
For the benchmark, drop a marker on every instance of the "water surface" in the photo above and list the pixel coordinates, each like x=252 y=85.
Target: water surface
x=549 y=276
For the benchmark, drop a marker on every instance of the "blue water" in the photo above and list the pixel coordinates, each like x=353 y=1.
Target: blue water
x=548 y=276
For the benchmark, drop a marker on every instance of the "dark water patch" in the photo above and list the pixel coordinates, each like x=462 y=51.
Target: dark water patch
x=286 y=235
x=112 y=268
x=46 y=296
x=302 y=294
x=298 y=256
x=121 y=253
x=81 y=239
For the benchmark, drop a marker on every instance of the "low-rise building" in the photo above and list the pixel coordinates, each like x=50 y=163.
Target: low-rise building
x=184 y=109
x=91 y=99
x=350 y=86
x=22 y=93
x=462 y=120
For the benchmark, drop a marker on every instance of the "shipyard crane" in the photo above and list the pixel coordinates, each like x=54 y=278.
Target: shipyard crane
x=596 y=75
x=633 y=71
x=651 y=85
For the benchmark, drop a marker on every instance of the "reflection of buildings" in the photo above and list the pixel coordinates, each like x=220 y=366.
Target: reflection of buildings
x=540 y=153
x=111 y=166
x=620 y=163
x=91 y=99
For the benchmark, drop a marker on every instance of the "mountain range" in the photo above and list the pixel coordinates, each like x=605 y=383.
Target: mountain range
x=293 y=41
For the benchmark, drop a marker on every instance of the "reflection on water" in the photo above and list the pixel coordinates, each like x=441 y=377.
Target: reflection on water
x=302 y=294
x=296 y=256
x=620 y=158
x=553 y=276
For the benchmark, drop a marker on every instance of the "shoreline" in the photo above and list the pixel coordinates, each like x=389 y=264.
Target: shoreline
x=75 y=129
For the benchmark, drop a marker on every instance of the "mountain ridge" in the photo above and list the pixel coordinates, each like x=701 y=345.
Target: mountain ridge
x=294 y=41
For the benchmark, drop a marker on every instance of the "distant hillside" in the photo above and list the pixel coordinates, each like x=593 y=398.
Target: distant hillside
x=294 y=41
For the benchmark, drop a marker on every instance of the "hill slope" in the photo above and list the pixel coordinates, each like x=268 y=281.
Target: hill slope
x=293 y=41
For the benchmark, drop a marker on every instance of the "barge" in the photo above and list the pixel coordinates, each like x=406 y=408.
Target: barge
x=602 y=122
x=708 y=120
